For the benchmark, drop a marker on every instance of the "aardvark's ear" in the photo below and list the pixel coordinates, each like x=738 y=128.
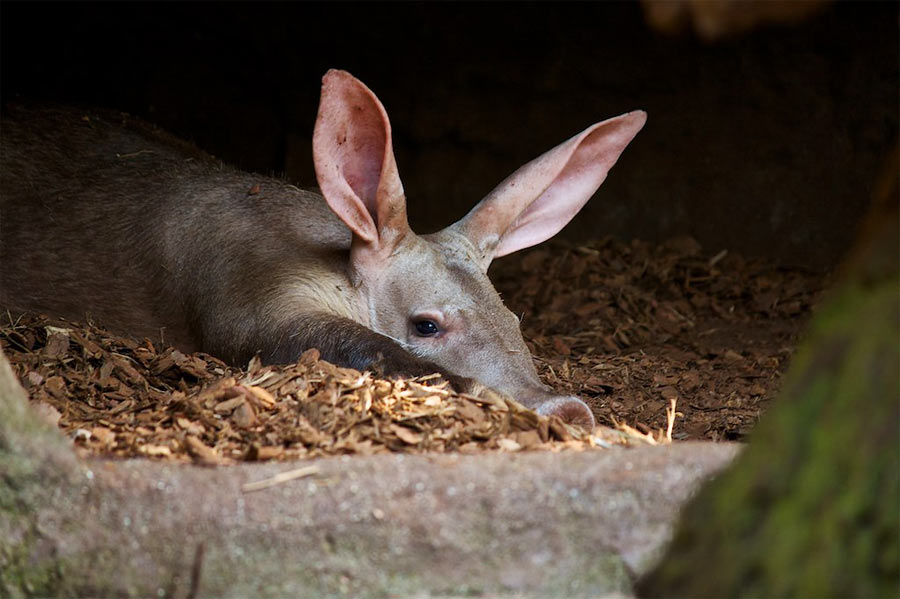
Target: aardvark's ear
x=354 y=161
x=537 y=200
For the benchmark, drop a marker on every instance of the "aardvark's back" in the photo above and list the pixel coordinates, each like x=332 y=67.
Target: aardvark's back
x=104 y=214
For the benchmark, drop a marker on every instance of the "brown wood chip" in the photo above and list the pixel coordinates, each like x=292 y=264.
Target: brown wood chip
x=626 y=326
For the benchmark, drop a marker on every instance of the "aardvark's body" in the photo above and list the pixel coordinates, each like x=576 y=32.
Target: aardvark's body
x=106 y=216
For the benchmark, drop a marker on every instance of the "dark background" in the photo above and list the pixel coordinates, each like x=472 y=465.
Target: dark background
x=768 y=144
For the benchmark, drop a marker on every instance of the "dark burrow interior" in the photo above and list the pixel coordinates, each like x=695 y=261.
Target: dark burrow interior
x=692 y=272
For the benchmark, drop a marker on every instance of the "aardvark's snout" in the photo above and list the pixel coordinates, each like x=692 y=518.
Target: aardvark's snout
x=569 y=409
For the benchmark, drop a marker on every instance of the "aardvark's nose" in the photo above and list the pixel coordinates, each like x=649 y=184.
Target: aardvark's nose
x=570 y=409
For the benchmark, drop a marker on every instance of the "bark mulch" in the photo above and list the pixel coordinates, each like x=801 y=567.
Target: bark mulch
x=629 y=327
x=634 y=329
x=118 y=396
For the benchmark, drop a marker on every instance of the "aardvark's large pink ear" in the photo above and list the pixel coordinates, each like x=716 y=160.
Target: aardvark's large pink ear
x=354 y=161
x=537 y=200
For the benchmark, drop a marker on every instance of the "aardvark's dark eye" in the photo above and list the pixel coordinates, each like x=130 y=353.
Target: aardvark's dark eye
x=426 y=328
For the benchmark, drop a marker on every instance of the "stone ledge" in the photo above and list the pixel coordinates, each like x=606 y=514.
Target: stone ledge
x=526 y=524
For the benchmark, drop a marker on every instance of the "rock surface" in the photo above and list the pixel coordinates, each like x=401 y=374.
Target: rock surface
x=529 y=524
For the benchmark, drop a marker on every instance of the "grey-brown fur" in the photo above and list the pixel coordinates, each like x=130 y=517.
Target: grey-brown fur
x=103 y=215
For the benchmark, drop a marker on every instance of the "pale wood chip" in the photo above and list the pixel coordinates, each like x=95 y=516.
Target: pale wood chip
x=406 y=435
x=155 y=450
x=225 y=407
x=265 y=399
x=508 y=444
x=201 y=452
x=104 y=435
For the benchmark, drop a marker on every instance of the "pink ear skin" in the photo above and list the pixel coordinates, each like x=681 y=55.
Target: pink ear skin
x=354 y=161
x=539 y=199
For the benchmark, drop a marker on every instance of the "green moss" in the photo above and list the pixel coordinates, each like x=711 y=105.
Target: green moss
x=812 y=507
x=23 y=573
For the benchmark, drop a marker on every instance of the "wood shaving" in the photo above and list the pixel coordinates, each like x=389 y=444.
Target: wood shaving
x=632 y=328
